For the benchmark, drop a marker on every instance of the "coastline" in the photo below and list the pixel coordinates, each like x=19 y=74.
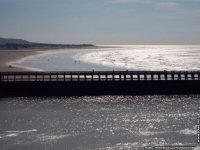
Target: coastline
x=8 y=57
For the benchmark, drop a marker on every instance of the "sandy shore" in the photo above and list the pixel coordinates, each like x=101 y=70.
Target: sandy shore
x=8 y=56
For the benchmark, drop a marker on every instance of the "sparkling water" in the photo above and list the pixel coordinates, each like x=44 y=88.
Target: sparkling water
x=103 y=122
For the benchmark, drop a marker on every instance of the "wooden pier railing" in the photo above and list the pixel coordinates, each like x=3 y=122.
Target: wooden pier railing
x=97 y=76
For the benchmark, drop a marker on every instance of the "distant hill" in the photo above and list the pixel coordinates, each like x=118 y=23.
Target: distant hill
x=4 y=41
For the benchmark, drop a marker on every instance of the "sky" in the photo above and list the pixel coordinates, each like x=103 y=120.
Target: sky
x=102 y=21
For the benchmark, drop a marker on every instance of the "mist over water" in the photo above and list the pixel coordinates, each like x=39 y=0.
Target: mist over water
x=102 y=122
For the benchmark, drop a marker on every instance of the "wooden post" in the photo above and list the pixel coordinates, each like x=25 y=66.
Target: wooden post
x=0 y=77
x=124 y=76
x=159 y=76
x=14 y=77
x=192 y=76
x=138 y=76
x=85 y=77
x=113 y=75
x=92 y=75
x=43 y=76
x=64 y=76
x=35 y=76
x=28 y=77
x=152 y=77
x=57 y=76
x=99 y=76
x=179 y=76
x=172 y=76
x=21 y=77
x=145 y=76
x=166 y=76
x=131 y=77
x=70 y=76
x=49 y=76
x=78 y=76
x=106 y=77
x=7 y=77
x=120 y=76
x=198 y=76
x=186 y=76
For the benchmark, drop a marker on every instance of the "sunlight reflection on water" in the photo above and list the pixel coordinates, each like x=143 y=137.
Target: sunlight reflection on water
x=131 y=58
x=103 y=122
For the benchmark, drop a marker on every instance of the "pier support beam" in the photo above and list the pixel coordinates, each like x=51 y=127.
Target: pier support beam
x=158 y=76
x=186 y=77
x=152 y=76
x=138 y=76
x=145 y=76
x=64 y=75
x=131 y=77
x=85 y=77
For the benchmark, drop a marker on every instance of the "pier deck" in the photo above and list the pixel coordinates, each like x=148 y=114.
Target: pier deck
x=99 y=83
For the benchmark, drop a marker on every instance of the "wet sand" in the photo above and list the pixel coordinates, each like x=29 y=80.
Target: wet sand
x=8 y=56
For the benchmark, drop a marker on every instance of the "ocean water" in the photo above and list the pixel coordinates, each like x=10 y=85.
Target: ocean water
x=141 y=57
x=103 y=122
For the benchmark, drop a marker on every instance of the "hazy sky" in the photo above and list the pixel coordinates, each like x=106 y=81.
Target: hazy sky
x=102 y=21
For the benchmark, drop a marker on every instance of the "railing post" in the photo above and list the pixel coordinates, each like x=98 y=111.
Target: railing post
x=0 y=77
x=198 y=76
x=35 y=76
x=7 y=77
x=186 y=76
x=14 y=77
x=78 y=76
x=113 y=75
x=145 y=76
x=21 y=77
x=192 y=76
x=64 y=76
x=138 y=76
x=124 y=76
x=172 y=76
x=85 y=78
x=99 y=76
x=131 y=77
x=179 y=76
x=165 y=76
x=120 y=76
x=43 y=76
x=50 y=76
x=106 y=77
x=92 y=75
x=70 y=76
x=152 y=77
x=28 y=77
x=158 y=76
x=57 y=76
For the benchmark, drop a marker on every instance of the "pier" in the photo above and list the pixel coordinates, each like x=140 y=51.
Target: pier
x=99 y=83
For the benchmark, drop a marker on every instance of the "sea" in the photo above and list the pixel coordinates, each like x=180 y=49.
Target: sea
x=105 y=122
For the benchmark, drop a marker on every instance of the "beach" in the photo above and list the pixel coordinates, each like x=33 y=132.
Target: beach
x=8 y=56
